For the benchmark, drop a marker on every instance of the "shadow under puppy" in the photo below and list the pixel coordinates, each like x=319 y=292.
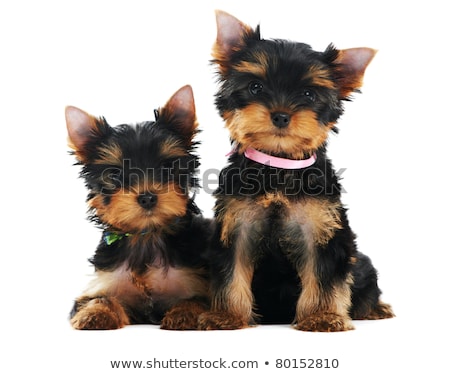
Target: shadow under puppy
x=283 y=251
x=149 y=264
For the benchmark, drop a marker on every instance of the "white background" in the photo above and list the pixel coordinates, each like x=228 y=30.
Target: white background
x=122 y=60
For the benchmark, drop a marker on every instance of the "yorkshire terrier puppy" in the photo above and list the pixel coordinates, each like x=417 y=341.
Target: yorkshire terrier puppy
x=283 y=250
x=149 y=264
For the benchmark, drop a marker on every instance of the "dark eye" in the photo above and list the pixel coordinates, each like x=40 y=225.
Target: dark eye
x=309 y=94
x=255 y=87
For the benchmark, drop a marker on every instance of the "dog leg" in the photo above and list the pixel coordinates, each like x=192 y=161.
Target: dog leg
x=320 y=311
x=366 y=303
x=325 y=299
x=102 y=305
x=99 y=313
x=184 y=315
x=232 y=304
x=319 y=243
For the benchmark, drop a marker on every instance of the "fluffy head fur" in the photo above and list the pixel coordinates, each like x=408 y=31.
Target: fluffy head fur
x=139 y=177
x=279 y=96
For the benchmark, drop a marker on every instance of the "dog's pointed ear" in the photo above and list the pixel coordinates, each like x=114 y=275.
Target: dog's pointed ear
x=351 y=65
x=178 y=115
x=84 y=130
x=231 y=36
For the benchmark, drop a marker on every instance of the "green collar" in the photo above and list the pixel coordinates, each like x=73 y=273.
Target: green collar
x=111 y=237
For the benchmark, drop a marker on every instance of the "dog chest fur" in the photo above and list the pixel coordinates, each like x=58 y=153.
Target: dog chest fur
x=311 y=221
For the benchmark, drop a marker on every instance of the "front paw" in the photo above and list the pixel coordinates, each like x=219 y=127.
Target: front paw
x=100 y=314
x=324 y=322
x=221 y=321
x=183 y=316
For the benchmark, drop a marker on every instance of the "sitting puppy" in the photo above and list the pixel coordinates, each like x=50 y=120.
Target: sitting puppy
x=283 y=250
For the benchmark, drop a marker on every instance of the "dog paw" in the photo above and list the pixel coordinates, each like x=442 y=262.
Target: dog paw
x=183 y=316
x=221 y=321
x=381 y=311
x=325 y=322
x=100 y=314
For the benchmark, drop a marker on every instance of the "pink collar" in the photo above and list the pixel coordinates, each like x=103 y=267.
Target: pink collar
x=278 y=162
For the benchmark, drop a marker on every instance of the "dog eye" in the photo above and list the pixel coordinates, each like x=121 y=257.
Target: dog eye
x=255 y=87
x=309 y=94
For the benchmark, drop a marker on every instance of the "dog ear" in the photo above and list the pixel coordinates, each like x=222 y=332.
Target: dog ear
x=231 y=36
x=84 y=131
x=178 y=115
x=350 y=67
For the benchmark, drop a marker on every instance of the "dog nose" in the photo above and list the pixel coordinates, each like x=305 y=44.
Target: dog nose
x=281 y=119
x=147 y=200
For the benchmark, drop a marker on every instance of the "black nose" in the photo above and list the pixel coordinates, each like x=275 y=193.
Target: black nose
x=280 y=119
x=147 y=200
